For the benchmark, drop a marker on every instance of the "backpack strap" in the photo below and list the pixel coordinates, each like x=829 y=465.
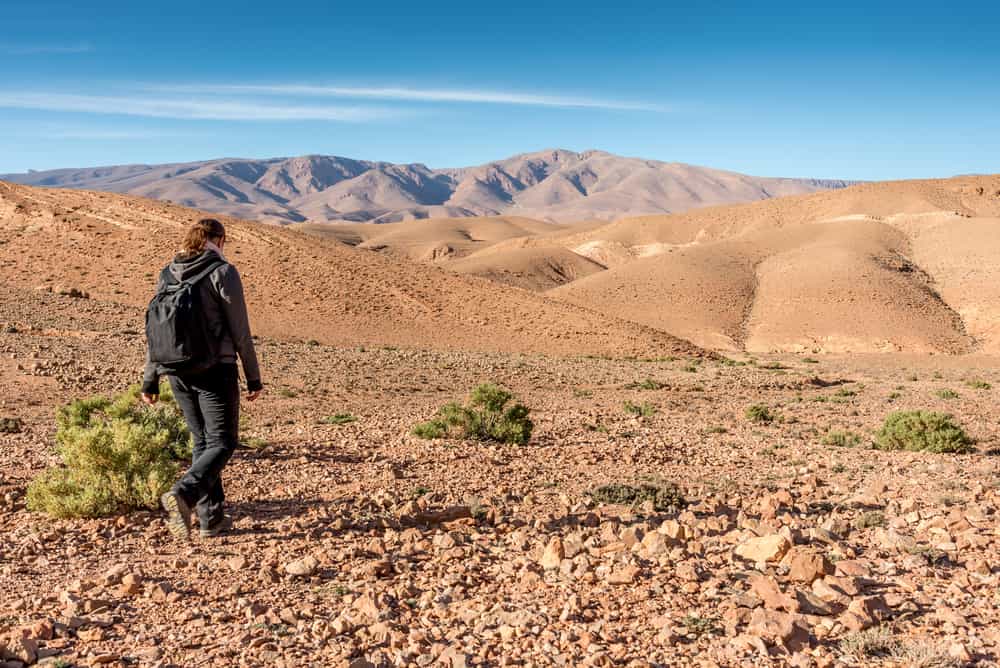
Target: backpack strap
x=201 y=275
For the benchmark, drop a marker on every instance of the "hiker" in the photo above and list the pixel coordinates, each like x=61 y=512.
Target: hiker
x=196 y=326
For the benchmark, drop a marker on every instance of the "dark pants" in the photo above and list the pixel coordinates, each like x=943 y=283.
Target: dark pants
x=210 y=402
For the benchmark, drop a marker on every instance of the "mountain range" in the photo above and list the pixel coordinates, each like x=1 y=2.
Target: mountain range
x=555 y=185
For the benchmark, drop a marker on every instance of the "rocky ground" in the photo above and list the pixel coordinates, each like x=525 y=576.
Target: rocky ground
x=360 y=545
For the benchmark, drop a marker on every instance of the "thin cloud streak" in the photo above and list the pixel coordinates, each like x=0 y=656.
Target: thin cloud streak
x=44 y=49
x=190 y=109
x=424 y=95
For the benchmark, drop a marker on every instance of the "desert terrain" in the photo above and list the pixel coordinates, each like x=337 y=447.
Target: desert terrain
x=881 y=267
x=742 y=357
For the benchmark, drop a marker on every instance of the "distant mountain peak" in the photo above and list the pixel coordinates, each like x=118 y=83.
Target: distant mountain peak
x=552 y=184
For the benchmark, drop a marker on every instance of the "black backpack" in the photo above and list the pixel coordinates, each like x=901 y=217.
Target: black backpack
x=176 y=332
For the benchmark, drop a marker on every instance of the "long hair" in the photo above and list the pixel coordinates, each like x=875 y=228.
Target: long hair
x=200 y=233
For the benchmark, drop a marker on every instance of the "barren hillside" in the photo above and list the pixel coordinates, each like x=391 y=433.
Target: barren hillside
x=904 y=266
x=113 y=247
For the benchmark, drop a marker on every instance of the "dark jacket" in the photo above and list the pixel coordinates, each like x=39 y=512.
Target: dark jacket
x=225 y=312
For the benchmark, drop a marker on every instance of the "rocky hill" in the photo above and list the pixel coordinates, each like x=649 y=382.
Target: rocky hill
x=554 y=185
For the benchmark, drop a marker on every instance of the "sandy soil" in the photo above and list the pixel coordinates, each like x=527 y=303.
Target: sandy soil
x=361 y=545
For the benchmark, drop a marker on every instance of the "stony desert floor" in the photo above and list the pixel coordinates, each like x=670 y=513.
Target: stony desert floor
x=360 y=545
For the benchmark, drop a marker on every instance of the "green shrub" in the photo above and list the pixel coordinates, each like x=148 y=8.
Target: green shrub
x=701 y=626
x=761 y=414
x=665 y=496
x=644 y=409
x=340 y=419
x=873 y=518
x=488 y=416
x=978 y=384
x=842 y=439
x=254 y=443
x=773 y=366
x=648 y=384
x=431 y=429
x=117 y=454
x=922 y=431
x=947 y=394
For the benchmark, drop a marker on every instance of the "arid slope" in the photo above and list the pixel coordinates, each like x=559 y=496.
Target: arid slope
x=113 y=246
x=902 y=266
x=433 y=240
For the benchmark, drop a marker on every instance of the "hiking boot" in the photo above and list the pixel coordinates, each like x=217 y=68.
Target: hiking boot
x=219 y=528
x=178 y=515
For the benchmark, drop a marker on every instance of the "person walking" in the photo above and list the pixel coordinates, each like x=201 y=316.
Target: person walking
x=196 y=328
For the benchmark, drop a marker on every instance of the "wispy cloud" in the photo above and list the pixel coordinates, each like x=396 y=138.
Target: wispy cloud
x=421 y=95
x=190 y=109
x=285 y=102
x=44 y=49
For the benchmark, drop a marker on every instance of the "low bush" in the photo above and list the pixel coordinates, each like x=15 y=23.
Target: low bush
x=761 y=414
x=488 y=416
x=644 y=409
x=872 y=518
x=877 y=641
x=842 y=439
x=925 y=431
x=665 y=496
x=340 y=419
x=254 y=443
x=648 y=384
x=117 y=455
x=701 y=626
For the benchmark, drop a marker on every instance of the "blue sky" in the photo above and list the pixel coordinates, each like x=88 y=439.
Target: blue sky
x=870 y=90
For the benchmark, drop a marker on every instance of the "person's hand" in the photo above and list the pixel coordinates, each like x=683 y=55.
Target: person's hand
x=252 y=396
x=150 y=399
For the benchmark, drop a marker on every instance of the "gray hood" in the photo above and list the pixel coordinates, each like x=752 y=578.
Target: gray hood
x=188 y=266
